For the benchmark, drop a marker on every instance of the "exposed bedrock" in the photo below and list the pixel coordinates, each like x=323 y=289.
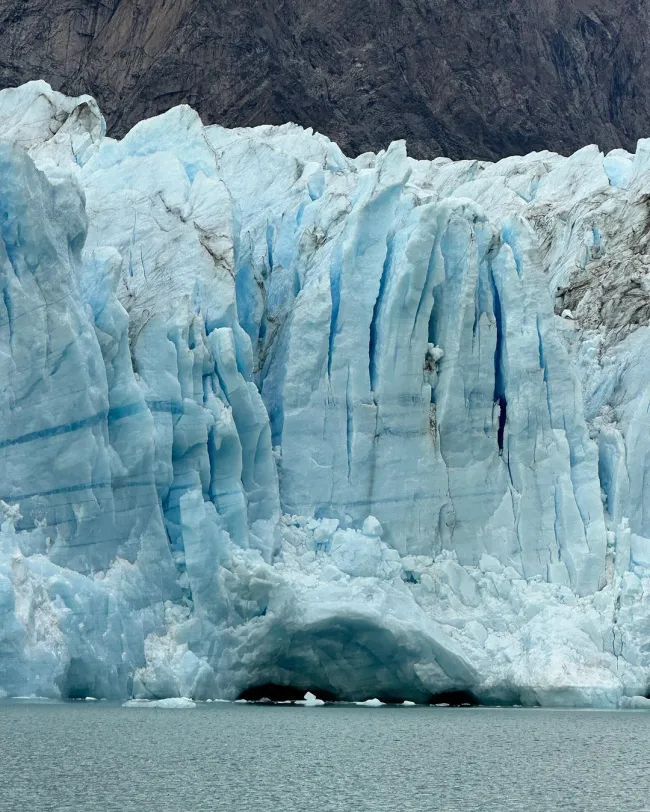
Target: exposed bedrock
x=274 y=416
x=471 y=79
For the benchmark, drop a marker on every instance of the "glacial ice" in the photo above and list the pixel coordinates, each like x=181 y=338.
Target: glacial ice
x=374 y=427
x=171 y=703
x=310 y=701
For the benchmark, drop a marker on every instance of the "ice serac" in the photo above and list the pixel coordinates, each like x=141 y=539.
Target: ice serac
x=371 y=428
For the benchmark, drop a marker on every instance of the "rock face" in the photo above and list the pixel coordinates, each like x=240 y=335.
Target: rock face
x=375 y=427
x=470 y=79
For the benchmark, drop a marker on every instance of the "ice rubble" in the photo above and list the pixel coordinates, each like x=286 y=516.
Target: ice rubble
x=274 y=415
x=171 y=703
x=310 y=701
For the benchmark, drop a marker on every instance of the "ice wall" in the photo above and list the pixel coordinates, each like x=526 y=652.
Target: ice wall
x=271 y=414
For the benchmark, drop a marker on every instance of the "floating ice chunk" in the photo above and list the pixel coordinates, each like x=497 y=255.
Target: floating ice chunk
x=371 y=703
x=408 y=704
x=310 y=701
x=174 y=702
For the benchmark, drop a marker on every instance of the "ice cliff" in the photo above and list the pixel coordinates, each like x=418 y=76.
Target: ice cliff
x=372 y=426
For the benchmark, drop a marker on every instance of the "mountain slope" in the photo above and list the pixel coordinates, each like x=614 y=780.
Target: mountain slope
x=461 y=78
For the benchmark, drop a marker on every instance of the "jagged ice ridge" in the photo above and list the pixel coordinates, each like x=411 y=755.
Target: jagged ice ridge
x=374 y=426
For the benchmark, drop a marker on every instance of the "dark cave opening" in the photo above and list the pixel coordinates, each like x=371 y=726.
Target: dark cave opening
x=77 y=682
x=284 y=693
x=455 y=699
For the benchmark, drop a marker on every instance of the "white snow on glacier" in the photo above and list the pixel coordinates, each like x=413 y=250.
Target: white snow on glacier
x=375 y=427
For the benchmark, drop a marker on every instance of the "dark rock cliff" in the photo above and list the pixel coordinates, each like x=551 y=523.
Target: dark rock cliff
x=463 y=78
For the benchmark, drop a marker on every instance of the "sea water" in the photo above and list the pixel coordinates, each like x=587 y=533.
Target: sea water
x=100 y=757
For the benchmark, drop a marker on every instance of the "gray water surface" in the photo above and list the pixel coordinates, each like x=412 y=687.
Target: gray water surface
x=98 y=757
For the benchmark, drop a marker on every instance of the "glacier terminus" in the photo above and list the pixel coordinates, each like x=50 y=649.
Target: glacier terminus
x=374 y=427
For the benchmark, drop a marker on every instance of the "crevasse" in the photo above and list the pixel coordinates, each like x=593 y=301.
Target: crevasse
x=376 y=427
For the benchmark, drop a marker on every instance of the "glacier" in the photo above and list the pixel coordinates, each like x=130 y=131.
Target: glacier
x=270 y=415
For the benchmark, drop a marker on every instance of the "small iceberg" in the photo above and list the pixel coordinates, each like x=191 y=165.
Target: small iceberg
x=310 y=701
x=371 y=703
x=172 y=702
x=408 y=704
